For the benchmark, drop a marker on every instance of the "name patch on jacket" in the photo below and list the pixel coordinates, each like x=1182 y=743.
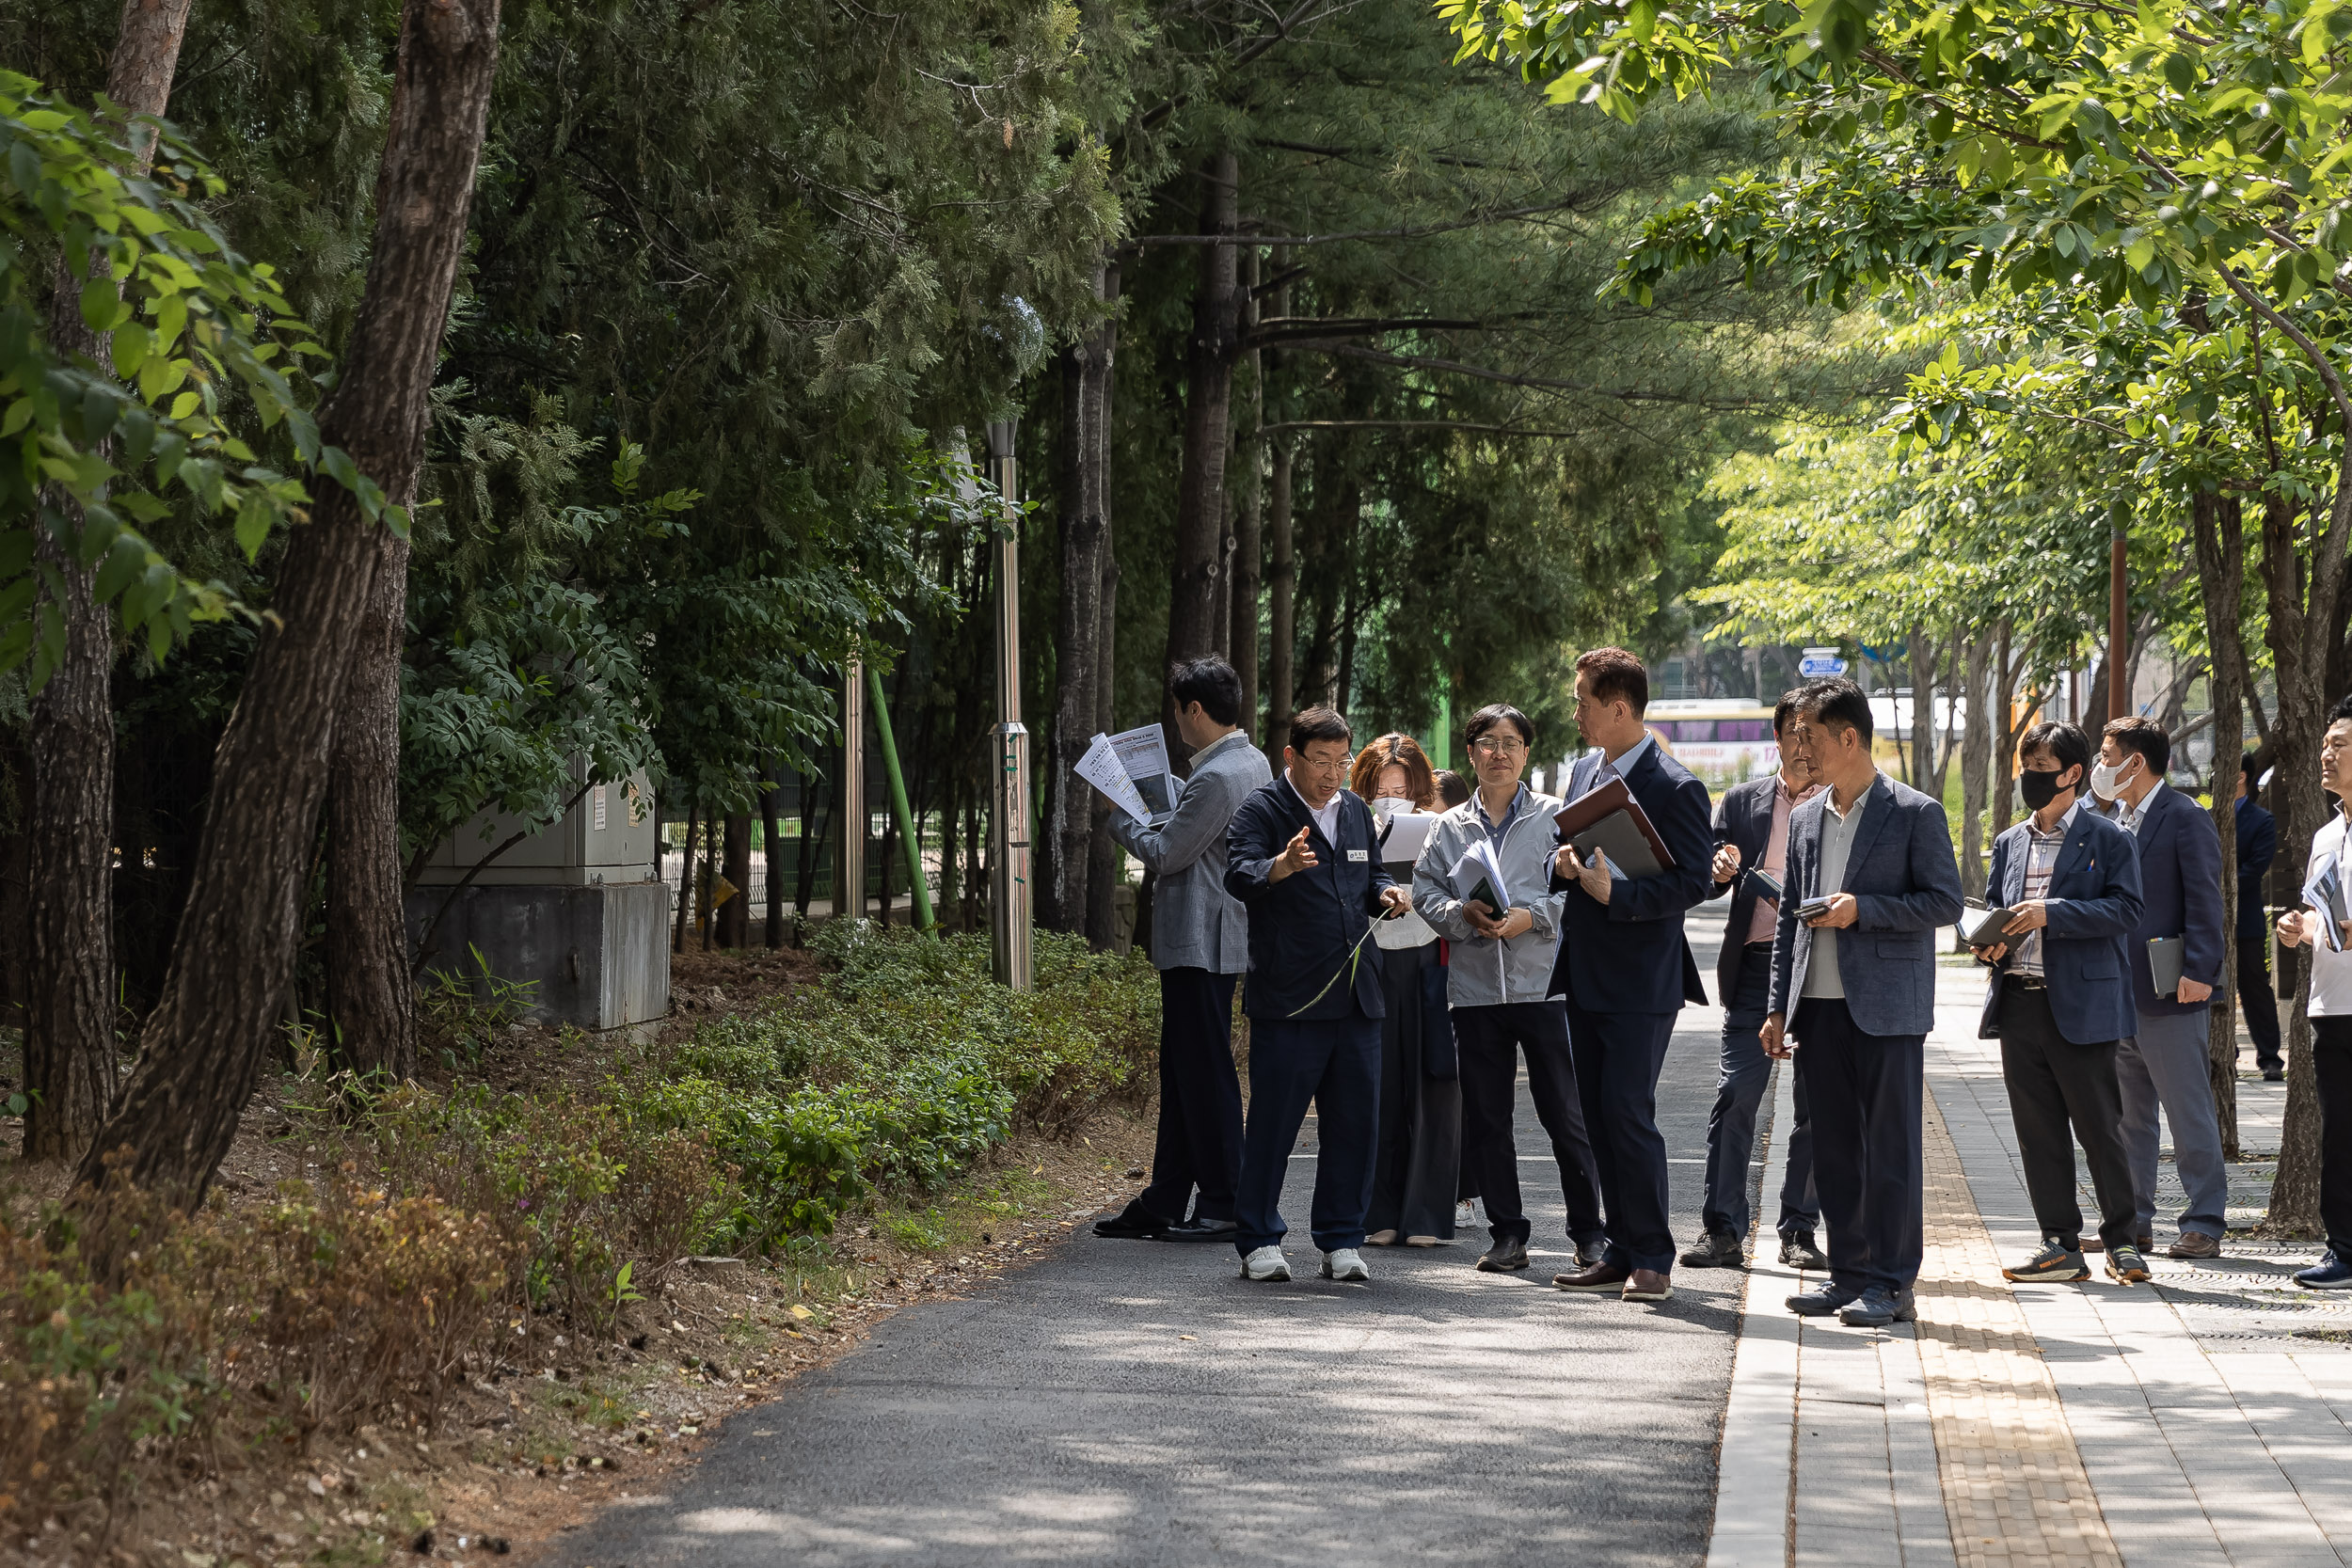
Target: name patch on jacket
x=1360 y=854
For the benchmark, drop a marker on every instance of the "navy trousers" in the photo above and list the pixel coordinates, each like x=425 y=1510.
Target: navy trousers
x=1618 y=1057
x=1336 y=1063
x=1740 y=1087
x=1865 y=1092
x=1491 y=1038
x=1199 y=1137
x=2257 y=999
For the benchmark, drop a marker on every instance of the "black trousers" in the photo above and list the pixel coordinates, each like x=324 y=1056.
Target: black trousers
x=2256 y=997
x=1199 y=1137
x=2061 y=1093
x=1865 y=1092
x=1618 y=1057
x=1490 y=1041
x=2331 y=1056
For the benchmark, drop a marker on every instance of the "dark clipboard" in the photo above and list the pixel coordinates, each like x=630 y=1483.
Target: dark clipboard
x=1607 y=817
x=2166 y=957
x=1982 y=927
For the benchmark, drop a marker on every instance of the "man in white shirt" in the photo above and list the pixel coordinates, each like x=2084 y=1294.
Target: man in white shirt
x=2331 y=1011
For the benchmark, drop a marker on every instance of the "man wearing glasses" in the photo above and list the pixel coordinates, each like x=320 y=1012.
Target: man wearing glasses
x=1499 y=984
x=1626 y=972
x=1300 y=855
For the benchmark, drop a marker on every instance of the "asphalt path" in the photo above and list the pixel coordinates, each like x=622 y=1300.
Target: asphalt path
x=1135 y=1402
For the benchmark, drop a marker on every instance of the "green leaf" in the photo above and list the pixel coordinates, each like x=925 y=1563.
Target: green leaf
x=102 y=305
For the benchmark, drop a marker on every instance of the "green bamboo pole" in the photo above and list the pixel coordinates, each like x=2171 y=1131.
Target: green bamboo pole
x=923 y=920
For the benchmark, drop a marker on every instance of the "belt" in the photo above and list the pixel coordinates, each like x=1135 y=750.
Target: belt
x=2028 y=982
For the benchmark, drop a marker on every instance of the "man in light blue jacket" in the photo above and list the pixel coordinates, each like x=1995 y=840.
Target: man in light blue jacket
x=1201 y=946
x=1499 y=981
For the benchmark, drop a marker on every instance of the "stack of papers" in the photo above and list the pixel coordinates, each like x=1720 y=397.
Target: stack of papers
x=2323 y=891
x=1478 y=875
x=1403 y=830
x=1131 y=769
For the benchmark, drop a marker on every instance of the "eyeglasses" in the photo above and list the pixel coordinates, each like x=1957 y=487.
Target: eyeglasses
x=1485 y=747
x=1317 y=765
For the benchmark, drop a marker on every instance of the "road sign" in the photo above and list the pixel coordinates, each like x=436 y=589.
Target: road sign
x=1818 y=662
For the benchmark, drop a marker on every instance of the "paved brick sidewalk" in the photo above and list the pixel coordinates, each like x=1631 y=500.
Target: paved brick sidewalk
x=2203 y=1419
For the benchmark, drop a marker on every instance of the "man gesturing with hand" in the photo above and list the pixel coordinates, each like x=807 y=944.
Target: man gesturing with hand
x=1301 y=856
x=1871 y=875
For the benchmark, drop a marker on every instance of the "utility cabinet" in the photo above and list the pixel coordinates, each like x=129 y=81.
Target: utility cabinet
x=577 y=912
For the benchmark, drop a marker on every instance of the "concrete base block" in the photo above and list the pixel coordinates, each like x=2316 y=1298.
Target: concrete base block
x=594 y=957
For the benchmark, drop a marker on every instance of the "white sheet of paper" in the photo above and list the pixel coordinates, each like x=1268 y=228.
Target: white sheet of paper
x=1407 y=831
x=1101 y=768
x=1476 y=862
x=1142 y=753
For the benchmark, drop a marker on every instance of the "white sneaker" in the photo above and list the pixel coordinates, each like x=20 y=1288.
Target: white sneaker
x=1267 y=1263
x=1344 y=1265
x=1464 y=1215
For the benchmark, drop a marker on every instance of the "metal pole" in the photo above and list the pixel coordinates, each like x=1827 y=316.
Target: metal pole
x=849 y=894
x=923 y=920
x=1009 y=882
x=2119 y=624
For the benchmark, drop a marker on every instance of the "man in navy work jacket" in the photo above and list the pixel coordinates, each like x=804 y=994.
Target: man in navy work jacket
x=1626 y=972
x=2163 y=1061
x=1752 y=837
x=2062 y=999
x=1199 y=945
x=2257 y=846
x=1853 y=988
x=1300 y=856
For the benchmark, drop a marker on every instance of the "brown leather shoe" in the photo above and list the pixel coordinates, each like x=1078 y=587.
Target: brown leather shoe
x=1599 y=1277
x=2194 y=1243
x=1648 y=1285
x=2146 y=1242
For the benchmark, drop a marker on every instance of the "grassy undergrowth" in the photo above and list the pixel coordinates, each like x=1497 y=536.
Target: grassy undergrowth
x=451 y=1226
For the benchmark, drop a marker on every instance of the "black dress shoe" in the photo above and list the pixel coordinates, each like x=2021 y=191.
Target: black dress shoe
x=1133 y=1223
x=1197 y=1230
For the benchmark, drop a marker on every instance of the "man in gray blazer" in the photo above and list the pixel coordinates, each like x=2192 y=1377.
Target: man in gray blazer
x=1854 y=983
x=1200 y=946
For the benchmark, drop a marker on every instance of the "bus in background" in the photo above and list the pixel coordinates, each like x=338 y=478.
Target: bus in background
x=1722 y=742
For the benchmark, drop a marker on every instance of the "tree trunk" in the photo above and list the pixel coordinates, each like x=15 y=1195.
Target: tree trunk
x=1282 y=612
x=70 y=1050
x=2299 y=625
x=1976 y=765
x=1248 y=543
x=734 y=916
x=235 y=947
x=685 y=881
x=1101 y=852
x=1193 y=600
x=2221 y=545
x=370 y=998
x=771 y=837
x=706 y=887
x=16 y=854
x=1077 y=656
x=2004 y=673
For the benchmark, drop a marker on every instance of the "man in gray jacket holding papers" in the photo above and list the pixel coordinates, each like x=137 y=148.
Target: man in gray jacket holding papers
x=1499 y=980
x=1200 y=946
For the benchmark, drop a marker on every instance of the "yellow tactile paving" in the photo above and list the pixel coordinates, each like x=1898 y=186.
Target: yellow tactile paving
x=2014 y=1489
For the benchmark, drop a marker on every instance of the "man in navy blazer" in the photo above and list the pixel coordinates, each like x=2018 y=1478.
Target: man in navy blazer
x=2257 y=846
x=1853 y=996
x=2060 y=1000
x=1300 y=856
x=1625 y=971
x=1752 y=843
x=2163 y=1063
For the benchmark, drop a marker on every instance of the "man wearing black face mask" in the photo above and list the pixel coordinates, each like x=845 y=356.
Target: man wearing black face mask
x=2061 y=999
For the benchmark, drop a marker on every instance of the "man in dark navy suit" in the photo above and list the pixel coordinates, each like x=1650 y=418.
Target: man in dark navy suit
x=2060 y=1000
x=1854 y=995
x=1299 y=856
x=1626 y=972
x=2257 y=846
x=1752 y=837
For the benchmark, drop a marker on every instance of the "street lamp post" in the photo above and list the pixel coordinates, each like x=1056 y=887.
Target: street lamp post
x=1009 y=823
x=849 y=897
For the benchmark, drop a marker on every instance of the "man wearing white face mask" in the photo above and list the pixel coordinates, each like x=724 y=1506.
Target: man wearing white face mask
x=2180 y=881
